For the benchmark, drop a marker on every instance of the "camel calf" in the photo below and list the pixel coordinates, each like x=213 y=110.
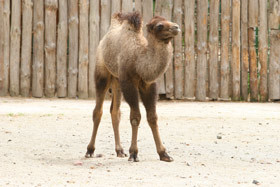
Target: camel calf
x=131 y=64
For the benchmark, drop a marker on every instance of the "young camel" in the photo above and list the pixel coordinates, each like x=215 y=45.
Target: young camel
x=131 y=63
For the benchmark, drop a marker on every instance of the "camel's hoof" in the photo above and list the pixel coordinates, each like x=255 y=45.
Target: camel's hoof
x=133 y=157
x=121 y=154
x=89 y=153
x=165 y=157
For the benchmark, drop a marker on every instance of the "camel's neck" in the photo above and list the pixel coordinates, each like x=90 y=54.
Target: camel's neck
x=155 y=59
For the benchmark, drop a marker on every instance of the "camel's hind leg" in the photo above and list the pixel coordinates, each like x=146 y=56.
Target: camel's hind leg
x=116 y=115
x=148 y=95
x=102 y=82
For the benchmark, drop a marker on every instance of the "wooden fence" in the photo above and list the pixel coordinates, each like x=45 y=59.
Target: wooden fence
x=228 y=50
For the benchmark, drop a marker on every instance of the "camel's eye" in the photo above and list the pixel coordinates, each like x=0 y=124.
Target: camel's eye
x=159 y=27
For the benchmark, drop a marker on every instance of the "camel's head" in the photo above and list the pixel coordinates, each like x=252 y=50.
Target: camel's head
x=162 y=29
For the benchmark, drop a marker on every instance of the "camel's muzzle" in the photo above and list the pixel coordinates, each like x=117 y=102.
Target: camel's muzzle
x=175 y=29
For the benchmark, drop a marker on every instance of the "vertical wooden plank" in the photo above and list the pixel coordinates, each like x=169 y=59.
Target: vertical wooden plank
x=167 y=6
x=161 y=80
x=138 y=6
x=2 y=65
x=235 y=65
x=105 y=17
x=15 y=48
x=274 y=14
x=213 y=49
x=127 y=6
x=178 y=58
x=6 y=28
x=50 y=47
x=225 y=20
x=115 y=6
x=94 y=20
x=147 y=13
x=158 y=7
x=38 y=49
x=253 y=65
x=189 y=49
x=61 y=58
x=253 y=22
x=274 y=65
x=83 y=50
x=244 y=50
x=25 y=73
x=263 y=48
x=201 y=49
x=73 y=29
x=253 y=13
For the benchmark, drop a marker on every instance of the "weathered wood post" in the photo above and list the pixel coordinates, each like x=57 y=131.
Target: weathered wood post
x=73 y=21
x=138 y=5
x=189 y=49
x=15 y=48
x=147 y=13
x=2 y=66
x=225 y=20
x=38 y=49
x=274 y=61
x=26 y=46
x=213 y=50
x=235 y=65
x=244 y=50
x=83 y=50
x=94 y=20
x=6 y=28
x=105 y=17
x=201 y=49
x=50 y=47
x=127 y=6
x=253 y=23
x=263 y=49
x=178 y=58
x=115 y=6
x=274 y=65
x=61 y=58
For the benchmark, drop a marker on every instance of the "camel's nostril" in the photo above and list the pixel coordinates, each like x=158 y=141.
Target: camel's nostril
x=176 y=28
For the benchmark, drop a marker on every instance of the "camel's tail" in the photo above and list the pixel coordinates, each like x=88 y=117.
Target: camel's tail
x=133 y=18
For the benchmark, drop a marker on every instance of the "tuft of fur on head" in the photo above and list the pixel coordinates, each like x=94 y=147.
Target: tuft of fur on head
x=133 y=18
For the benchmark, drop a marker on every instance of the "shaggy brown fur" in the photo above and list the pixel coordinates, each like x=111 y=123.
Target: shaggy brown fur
x=131 y=63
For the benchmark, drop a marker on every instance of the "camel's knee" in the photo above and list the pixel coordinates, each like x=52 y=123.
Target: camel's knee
x=116 y=114
x=135 y=118
x=97 y=114
x=152 y=119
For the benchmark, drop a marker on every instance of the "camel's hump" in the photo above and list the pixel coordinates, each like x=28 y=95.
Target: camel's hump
x=133 y=18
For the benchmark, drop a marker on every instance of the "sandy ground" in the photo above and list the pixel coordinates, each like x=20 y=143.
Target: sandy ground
x=43 y=142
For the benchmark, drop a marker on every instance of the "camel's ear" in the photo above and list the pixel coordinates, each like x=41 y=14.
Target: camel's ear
x=150 y=27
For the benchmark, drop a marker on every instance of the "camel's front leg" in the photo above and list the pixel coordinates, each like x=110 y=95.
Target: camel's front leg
x=130 y=93
x=148 y=95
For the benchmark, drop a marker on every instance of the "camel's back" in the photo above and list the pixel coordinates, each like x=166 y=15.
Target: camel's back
x=124 y=35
